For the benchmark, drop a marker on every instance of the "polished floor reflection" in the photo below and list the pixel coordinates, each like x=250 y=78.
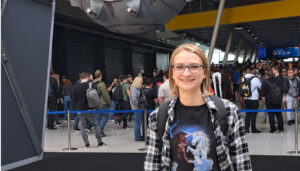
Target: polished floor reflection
x=122 y=140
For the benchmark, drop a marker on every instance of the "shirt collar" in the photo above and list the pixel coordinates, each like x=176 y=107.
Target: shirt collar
x=210 y=104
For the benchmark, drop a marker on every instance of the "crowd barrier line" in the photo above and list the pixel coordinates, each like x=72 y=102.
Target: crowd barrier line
x=149 y=111
x=146 y=112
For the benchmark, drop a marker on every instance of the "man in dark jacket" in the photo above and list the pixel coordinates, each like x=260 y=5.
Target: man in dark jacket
x=272 y=94
x=151 y=94
x=78 y=96
x=53 y=94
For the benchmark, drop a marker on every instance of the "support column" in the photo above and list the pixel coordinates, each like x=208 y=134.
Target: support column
x=227 y=48
x=245 y=54
x=215 y=32
x=255 y=55
x=251 y=54
x=238 y=51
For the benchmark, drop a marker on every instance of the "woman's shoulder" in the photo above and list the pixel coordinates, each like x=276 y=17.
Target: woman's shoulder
x=232 y=111
x=153 y=119
x=229 y=104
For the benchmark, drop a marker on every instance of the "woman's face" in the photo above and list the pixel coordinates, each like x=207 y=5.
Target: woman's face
x=186 y=80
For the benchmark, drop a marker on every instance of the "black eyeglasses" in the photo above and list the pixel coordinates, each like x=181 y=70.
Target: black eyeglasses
x=193 y=68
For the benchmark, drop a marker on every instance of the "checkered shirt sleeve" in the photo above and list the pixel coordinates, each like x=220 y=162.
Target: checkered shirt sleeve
x=153 y=145
x=238 y=147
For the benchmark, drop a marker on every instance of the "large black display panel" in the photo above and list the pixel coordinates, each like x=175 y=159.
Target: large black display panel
x=27 y=27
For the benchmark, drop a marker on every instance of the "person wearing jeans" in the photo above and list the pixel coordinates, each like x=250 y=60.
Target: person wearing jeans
x=135 y=91
x=114 y=107
x=105 y=101
x=102 y=118
x=124 y=104
x=67 y=106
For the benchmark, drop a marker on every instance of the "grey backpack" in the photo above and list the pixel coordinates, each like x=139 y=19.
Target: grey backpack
x=92 y=96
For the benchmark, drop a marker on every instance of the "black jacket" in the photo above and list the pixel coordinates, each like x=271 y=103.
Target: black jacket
x=78 y=96
x=54 y=92
x=265 y=89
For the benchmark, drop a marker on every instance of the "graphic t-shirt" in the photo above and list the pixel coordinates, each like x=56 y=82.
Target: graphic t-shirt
x=193 y=143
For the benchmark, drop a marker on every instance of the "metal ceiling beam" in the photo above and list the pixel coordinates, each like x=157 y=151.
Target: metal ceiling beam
x=215 y=32
x=242 y=14
x=238 y=51
x=227 y=48
x=245 y=53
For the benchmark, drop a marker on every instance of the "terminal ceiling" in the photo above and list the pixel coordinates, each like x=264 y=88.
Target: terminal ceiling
x=271 y=23
x=271 y=33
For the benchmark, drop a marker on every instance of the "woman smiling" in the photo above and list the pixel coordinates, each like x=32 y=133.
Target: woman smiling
x=193 y=137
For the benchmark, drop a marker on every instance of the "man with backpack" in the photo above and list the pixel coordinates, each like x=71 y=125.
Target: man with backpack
x=124 y=103
x=105 y=101
x=82 y=95
x=115 y=91
x=151 y=94
x=272 y=94
x=292 y=95
x=250 y=92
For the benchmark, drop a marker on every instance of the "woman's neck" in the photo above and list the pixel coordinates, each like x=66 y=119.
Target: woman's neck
x=191 y=98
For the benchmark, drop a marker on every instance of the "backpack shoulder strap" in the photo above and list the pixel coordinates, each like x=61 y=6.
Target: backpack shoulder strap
x=162 y=116
x=220 y=113
x=90 y=85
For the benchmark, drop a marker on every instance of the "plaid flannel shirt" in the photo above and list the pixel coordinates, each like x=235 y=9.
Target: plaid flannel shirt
x=232 y=150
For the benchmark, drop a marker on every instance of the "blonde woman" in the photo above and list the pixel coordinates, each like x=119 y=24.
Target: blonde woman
x=193 y=138
x=135 y=91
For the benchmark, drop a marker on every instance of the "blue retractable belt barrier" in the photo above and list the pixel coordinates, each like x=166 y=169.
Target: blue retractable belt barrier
x=267 y=110
x=56 y=112
x=149 y=111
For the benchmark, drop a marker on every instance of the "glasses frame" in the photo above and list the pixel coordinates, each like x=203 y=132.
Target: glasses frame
x=188 y=67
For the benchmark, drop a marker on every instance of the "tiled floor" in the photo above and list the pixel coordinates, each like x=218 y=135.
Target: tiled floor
x=122 y=140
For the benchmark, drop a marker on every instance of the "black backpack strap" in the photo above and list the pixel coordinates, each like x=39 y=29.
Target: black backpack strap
x=162 y=116
x=220 y=114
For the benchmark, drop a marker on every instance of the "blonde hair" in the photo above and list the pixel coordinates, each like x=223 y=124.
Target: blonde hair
x=137 y=82
x=196 y=50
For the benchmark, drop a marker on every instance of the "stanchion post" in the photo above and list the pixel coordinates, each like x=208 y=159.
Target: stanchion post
x=296 y=133
x=69 y=133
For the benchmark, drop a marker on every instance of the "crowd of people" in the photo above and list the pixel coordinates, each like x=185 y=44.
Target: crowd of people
x=276 y=84
x=124 y=93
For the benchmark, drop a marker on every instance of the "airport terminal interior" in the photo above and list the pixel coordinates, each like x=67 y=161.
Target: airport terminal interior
x=254 y=33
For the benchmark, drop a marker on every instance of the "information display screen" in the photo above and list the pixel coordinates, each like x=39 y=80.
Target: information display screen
x=285 y=52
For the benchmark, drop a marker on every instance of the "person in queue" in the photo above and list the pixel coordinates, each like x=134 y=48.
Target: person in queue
x=192 y=137
x=78 y=96
x=135 y=91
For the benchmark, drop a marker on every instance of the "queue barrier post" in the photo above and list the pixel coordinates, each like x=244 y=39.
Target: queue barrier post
x=296 y=152
x=69 y=148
